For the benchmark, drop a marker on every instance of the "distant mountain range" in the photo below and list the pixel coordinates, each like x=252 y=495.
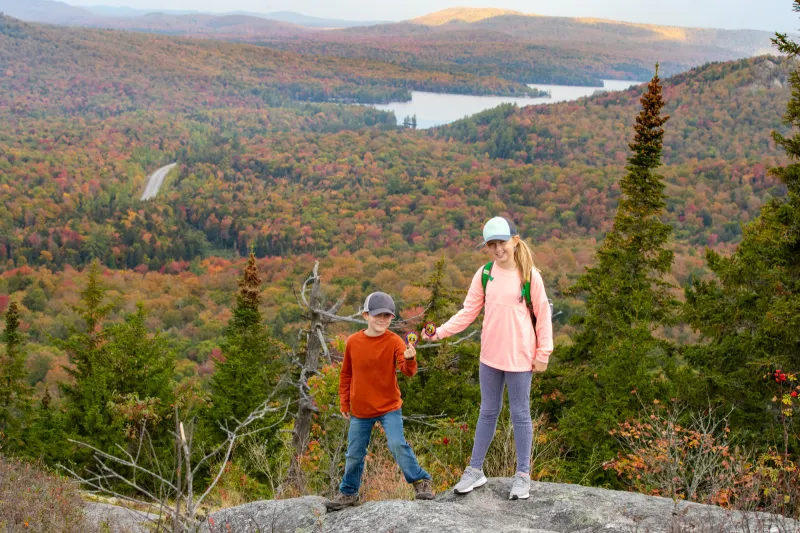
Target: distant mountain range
x=507 y=45
x=282 y=16
x=539 y=28
x=55 y=12
x=227 y=27
x=44 y=11
x=463 y=15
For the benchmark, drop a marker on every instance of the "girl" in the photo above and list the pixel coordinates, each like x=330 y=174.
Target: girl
x=511 y=348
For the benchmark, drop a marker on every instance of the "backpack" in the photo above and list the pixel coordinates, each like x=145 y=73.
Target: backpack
x=486 y=277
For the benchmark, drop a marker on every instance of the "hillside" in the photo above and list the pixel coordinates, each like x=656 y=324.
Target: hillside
x=496 y=43
x=283 y=16
x=377 y=205
x=534 y=49
x=315 y=22
x=88 y=71
x=569 y=31
x=238 y=27
x=541 y=162
x=459 y=15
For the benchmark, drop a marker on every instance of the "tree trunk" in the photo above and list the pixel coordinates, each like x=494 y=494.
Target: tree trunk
x=314 y=350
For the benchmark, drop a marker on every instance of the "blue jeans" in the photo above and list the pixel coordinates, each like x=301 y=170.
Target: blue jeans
x=358 y=440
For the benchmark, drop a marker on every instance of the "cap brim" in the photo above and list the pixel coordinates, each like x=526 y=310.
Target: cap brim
x=495 y=238
x=381 y=310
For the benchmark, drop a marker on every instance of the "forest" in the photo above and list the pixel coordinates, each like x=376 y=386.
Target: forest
x=122 y=317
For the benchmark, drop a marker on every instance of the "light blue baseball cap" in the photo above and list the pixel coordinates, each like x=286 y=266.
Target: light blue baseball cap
x=498 y=229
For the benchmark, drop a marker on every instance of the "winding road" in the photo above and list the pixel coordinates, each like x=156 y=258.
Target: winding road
x=155 y=180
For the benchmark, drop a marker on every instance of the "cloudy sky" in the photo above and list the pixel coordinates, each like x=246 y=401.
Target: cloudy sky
x=771 y=15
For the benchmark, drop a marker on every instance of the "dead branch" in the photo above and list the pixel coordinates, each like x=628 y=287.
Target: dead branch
x=454 y=343
x=336 y=318
x=322 y=342
x=338 y=305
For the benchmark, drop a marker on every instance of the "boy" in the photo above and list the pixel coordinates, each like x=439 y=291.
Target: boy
x=368 y=393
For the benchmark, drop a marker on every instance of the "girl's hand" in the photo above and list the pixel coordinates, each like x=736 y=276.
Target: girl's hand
x=345 y=414
x=539 y=367
x=410 y=353
x=434 y=337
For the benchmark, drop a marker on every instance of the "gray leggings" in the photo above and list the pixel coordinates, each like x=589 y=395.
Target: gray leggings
x=519 y=399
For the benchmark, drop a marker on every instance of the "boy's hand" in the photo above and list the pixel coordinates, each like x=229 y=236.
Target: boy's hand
x=538 y=366
x=410 y=353
x=345 y=414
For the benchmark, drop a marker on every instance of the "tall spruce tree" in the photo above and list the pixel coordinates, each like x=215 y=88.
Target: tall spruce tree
x=252 y=360
x=108 y=361
x=86 y=396
x=616 y=360
x=15 y=395
x=749 y=316
x=626 y=289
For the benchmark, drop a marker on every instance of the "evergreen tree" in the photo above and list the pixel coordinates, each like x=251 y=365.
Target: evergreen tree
x=246 y=314
x=749 y=315
x=252 y=358
x=141 y=364
x=15 y=395
x=413 y=122
x=616 y=361
x=47 y=434
x=626 y=289
x=444 y=301
x=109 y=362
x=86 y=396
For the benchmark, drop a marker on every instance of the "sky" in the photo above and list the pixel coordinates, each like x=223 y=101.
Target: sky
x=770 y=15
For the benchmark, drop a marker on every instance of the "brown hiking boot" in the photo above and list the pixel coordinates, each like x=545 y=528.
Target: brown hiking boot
x=341 y=501
x=423 y=489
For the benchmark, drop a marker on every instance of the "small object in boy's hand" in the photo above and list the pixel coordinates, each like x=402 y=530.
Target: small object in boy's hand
x=412 y=339
x=430 y=329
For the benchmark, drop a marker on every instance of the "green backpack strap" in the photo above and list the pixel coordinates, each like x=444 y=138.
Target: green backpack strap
x=526 y=294
x=486 y=276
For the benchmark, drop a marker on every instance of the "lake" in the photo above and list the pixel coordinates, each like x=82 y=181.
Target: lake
x=435 y=109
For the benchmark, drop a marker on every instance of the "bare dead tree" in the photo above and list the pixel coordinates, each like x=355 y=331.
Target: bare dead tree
x=154 y=487
x=316 y=348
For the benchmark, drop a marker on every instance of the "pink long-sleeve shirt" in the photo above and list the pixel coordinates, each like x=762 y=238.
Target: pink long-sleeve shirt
x=508 y=341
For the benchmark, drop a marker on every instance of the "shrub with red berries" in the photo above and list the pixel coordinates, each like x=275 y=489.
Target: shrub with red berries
x=786 y=400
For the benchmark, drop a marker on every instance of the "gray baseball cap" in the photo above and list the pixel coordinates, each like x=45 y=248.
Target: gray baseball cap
x=379 y=302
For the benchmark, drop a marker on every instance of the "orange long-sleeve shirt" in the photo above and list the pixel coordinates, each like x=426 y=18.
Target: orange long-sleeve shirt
x=368 y=382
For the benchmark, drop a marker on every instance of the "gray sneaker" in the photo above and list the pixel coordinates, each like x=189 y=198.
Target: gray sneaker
x=520 y=486
x=472 y=478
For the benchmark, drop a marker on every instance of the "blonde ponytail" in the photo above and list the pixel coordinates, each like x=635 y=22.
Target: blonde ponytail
x=523 y=257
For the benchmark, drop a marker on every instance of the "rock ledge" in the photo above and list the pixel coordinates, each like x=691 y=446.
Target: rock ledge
x=552 y=508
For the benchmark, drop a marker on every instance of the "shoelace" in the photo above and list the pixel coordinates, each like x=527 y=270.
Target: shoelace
x=519 y=481
x=475 y=475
